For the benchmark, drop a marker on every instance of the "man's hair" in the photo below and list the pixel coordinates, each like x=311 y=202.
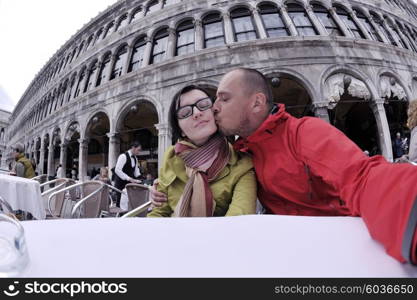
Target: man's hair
x=135 y=144
x=18 y=148
x=255 y=81
x=173 y=120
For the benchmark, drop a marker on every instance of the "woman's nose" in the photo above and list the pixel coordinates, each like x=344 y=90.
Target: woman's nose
x=196 y=112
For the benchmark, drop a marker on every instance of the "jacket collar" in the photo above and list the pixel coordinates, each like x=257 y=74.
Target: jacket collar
x=265 y=130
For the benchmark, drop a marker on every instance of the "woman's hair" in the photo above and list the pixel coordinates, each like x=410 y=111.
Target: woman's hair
x=412 y=114
x=173 y=120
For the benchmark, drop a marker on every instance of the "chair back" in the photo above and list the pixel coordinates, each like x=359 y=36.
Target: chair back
x=60 y=197
x=5 y=207
x=138 y=194
x=92 y=206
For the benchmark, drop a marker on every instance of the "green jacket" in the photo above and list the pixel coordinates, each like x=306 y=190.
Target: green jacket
x=29 y=172
x=234 y=189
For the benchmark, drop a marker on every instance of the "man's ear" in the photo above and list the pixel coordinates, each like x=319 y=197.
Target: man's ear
x=259 y=102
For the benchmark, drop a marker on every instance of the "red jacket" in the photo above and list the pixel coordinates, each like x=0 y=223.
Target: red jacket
x=308 y=167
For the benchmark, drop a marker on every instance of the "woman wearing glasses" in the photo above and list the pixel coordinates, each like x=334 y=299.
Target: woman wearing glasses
x=202 y=175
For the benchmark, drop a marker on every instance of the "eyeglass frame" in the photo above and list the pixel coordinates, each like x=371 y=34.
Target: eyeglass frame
x=192 y=108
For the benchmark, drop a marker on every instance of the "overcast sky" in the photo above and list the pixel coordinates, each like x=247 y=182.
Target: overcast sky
x=31 y=31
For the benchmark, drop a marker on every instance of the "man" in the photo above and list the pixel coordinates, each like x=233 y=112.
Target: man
x=127 y=169
x=23 y=166
x=308 y=167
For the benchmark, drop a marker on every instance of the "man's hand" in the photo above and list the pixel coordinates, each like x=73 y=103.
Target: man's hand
x=157 y=198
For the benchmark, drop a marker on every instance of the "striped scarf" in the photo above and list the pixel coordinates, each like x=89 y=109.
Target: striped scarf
x=202 y=165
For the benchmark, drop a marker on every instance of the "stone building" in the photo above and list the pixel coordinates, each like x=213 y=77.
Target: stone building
x=351 y=63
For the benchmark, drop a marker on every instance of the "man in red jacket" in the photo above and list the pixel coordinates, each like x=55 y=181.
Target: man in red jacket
x=308 y=167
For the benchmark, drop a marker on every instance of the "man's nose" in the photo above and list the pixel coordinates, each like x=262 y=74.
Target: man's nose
x=215 y=108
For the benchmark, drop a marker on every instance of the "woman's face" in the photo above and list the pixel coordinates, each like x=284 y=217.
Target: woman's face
x=200 y=125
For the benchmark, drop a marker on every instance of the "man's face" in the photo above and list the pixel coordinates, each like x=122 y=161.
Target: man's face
x=136 y=150
x=231 y=106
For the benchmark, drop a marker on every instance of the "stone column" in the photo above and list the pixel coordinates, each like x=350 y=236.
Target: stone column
x=111 y=66
x=114 y=149
x=288 y=22
x=172 y=41
x=228 y=29
x=316 y=22
x=50 y=169
x=362 y=27
x=340 y=23
x=199 y=35
x=63 y=157
x=147 y=52
x=320 y=111
x=164 y=140
x=384 y=136
x=42 y=160
x=259 y=24
x=82 y=159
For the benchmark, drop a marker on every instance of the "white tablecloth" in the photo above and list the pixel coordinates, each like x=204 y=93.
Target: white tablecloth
x=245 y=246
x=23 y=194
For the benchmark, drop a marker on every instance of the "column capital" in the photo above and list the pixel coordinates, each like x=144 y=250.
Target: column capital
x=83 y=142
x=322 y=104
x=162 y=126
x=197 y=23
x=332 y=10
x=309 y=8
x=226 y=15
x=171 y=31
x=284 y=8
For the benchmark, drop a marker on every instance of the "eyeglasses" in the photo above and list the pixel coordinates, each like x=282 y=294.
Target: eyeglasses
x=184 y=112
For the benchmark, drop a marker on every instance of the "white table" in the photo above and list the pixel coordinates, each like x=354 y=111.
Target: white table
x=23 y=194
x=245 y=246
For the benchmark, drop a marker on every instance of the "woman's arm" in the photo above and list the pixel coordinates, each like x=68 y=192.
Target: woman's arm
x=244 y=196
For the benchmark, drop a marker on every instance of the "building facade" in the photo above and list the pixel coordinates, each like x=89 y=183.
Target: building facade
x=351 y=63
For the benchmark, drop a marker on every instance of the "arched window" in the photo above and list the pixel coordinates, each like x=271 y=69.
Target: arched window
x=369 y=27
x=71 y=88
x=119 y=62
x=91 y=76
x=327 y=20
x=379 y=23
x=152 y=7
x=89 y=42
x=185 y=38
x=350 y=24
x=396 y=35
x=411 y=37
x=122 y=22
x=243 y=24
x=213 y=30
x=137 y=55
x=272 y=20
x=159 y=46
x=63 y=91
x=73 y=54
x=80 y=49
x=135 y=14
x=80 y=81
x=301 y=20
x=105 y=65
x=108 y=30
x=98 y=34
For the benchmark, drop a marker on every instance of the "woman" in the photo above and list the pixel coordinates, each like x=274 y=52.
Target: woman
x=412 y=124
x=202 y=175
x=103 y=175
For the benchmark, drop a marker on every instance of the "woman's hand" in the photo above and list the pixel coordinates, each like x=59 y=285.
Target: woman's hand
x=157 y=198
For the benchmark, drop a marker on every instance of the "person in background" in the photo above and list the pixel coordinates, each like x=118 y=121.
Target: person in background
x=412 y=124
x=23 y=167
x=127 y=169
x=148 y=179
x=103 y=175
